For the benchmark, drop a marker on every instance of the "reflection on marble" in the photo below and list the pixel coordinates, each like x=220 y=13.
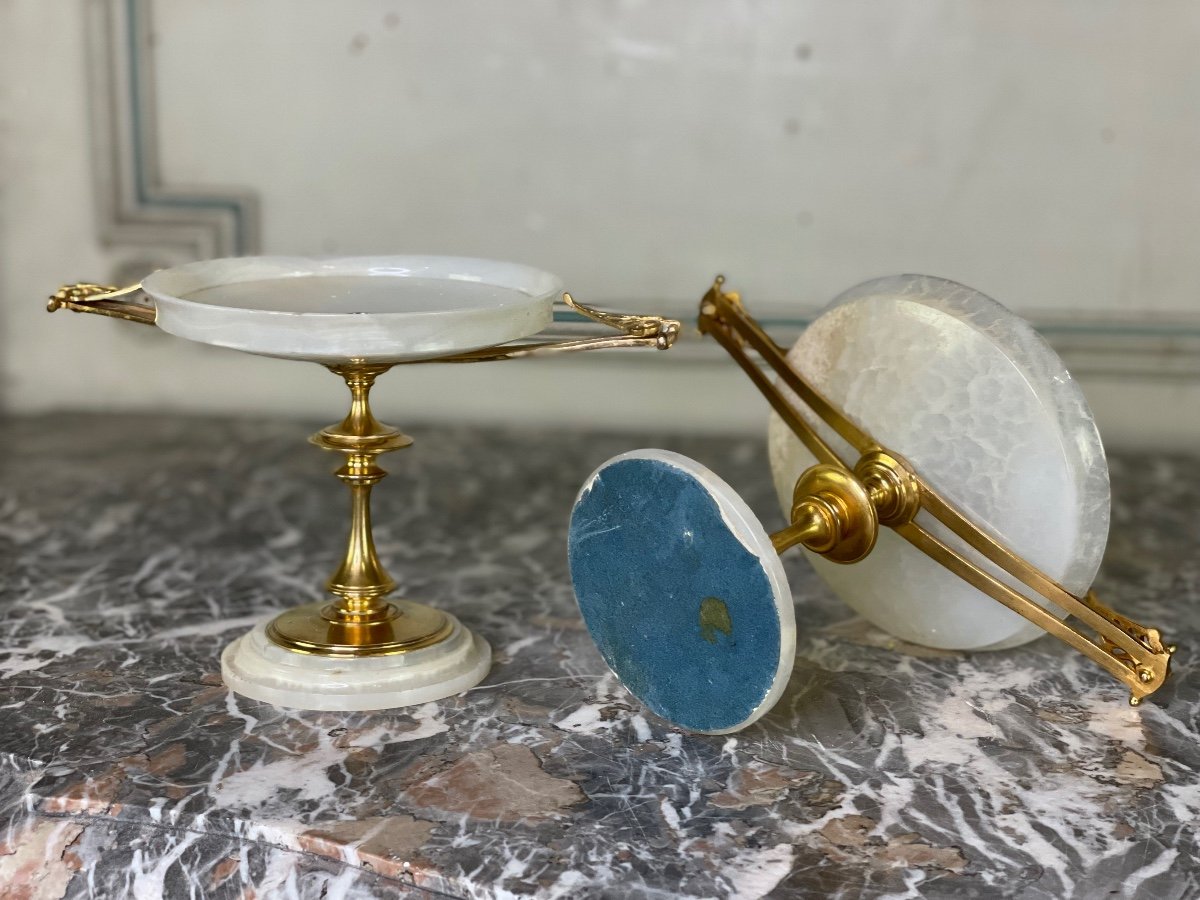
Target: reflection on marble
x=133 y=549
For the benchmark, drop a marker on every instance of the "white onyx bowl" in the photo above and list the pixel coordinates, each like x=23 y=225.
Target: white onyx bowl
x=983 y=408
x=374 y=309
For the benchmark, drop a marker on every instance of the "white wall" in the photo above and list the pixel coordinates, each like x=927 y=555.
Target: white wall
x=1044 y=153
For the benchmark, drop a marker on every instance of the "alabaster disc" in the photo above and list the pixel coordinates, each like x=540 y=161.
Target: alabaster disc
x=375 y=309
x=986 y=412
x=682 y=591
x=255 y=667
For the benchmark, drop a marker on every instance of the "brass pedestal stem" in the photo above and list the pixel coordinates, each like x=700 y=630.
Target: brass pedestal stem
x=361 y=621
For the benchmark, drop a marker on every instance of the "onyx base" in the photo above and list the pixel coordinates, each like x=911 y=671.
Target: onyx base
x=255 y=667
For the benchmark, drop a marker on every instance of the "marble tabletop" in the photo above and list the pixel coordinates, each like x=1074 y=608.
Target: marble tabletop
x=133 y=549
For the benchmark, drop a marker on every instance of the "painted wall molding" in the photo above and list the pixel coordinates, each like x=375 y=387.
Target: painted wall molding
x=1124 y=348
x=137 y=211
x=153 y=223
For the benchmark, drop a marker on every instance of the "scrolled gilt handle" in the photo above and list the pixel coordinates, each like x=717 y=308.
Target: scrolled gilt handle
x=102 y=300
x=664 y=330
x=632 y=331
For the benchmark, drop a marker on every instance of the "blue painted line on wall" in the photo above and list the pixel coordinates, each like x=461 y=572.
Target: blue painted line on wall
x=145 y=196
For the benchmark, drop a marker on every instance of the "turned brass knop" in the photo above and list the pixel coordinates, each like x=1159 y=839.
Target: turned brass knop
x=832 y=515
x=837 y=513
x=894 y=489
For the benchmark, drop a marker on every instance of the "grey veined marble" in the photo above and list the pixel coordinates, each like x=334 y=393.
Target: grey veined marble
x=134 y=549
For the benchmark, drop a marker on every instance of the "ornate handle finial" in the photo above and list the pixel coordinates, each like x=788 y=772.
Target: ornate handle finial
x=663 y=330
x=634 y=330
x=102 y=300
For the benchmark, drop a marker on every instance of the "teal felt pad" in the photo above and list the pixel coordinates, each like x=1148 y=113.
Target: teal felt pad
x=682 y=612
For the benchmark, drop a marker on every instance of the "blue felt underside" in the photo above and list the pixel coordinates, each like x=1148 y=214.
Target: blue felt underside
x=647 y=547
